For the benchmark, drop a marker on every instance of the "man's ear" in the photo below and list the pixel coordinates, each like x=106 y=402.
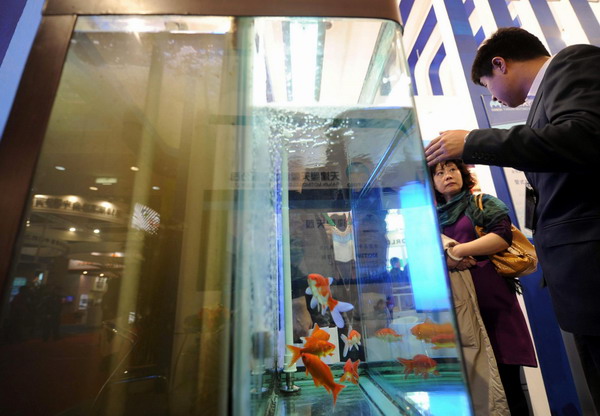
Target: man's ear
x=499 y=63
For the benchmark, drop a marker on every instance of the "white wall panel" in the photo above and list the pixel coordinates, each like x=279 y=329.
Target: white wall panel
x=572 y=32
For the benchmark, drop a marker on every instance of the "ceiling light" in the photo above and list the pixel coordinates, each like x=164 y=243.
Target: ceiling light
x=96 y=231
x=106 y=181
x=60 y=167
x=93 y=188
x=72 y=229
x=85 y=272
x=134 y=168
x=156 y=188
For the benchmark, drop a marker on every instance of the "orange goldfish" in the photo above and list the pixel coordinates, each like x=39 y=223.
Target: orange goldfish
x=428 y=329
x=388 y=334
x=443 y=341
x=350 y=341
x=317 y=333
x=322 y=375
x=350 y=372
x=313 y=346
x=320 y=289
x=419 y=365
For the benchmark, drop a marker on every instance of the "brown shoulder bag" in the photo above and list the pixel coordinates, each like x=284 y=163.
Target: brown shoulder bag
x=517 y=260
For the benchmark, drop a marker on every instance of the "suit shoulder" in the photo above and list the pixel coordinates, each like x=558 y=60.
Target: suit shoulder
x=577 y=60
x=575 y=50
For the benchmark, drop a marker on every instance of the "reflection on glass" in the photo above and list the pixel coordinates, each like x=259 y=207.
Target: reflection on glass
x=227 y=185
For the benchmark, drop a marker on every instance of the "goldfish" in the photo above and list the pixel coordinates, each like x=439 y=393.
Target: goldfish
x=317 y=333
x=419 y=365
x=388 y=334
x=350 y=372
x=350 y=341
x=320 y=289
x=321 y=374
x=428 y=329
x=443 y=341
x=313 y=346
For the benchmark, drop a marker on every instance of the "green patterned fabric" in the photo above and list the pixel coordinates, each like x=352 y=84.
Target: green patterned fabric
x=493 y=210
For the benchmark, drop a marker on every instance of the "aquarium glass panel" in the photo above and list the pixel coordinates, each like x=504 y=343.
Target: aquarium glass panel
x=231 y=216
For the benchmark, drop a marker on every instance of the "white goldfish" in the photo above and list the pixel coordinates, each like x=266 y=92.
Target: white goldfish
x=350 y=341
x=319 y=288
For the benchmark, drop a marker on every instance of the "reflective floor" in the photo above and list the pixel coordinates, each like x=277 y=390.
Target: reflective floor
x=313 y=400
x=446 y=396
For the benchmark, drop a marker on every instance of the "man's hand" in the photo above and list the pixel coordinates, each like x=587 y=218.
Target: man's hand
x=448 y=145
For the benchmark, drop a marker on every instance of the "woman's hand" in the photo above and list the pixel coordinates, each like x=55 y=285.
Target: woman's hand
x=462 y=264
x=458 y=263
x=466 y=263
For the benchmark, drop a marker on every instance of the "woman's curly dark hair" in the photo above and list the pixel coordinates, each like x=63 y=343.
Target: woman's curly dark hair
x=465 y=173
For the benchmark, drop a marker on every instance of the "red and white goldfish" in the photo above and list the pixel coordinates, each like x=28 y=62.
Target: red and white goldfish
x=388 y=335
x=420 y=365
x=321 y=374
x=319 y=288
x=428 y=329
x=443 y=341
x=313 y=346
x=317 y=333
x=350 y=341
x=350 y=372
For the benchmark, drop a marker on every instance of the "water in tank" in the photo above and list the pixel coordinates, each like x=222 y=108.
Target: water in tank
x=231 y=216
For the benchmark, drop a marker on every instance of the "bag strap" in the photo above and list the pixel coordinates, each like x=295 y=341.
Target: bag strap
x=479 y=201
x=478 y=229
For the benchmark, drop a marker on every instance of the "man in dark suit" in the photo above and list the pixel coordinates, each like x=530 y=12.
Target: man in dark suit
x=559 y=151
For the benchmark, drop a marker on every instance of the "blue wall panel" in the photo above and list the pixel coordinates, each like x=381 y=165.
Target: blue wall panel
x=10 y=13
x=421 y=41
x=549 y=27
x=434 y=71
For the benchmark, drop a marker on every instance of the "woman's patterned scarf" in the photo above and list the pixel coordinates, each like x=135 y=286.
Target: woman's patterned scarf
x=464 y=202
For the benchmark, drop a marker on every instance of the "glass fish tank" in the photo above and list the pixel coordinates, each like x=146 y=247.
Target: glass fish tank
x=231 y=216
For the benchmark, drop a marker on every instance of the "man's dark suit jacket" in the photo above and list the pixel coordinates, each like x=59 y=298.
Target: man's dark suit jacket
x=559 y=150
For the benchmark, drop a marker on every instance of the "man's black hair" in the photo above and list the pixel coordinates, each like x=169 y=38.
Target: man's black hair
x=510 y=43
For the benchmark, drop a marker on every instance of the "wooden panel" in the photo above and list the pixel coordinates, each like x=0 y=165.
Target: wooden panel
x=383 y=9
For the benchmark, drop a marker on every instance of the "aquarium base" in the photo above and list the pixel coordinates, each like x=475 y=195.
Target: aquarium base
x=289 y=387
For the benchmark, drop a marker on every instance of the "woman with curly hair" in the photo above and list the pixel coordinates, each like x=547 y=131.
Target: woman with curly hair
x=458 y=214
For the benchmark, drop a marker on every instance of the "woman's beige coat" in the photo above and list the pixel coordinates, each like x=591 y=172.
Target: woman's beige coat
x=485 y=386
